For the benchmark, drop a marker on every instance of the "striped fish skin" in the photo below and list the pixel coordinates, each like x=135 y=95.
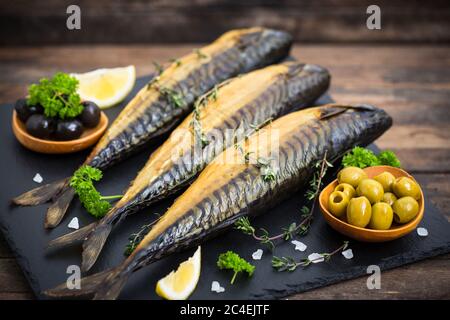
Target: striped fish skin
x=291 y=86
x=224 y=192
x=150 y=114
x=213 y=202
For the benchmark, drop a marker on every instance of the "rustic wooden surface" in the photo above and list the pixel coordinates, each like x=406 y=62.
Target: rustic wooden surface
x=175 y=21
x=411 y=82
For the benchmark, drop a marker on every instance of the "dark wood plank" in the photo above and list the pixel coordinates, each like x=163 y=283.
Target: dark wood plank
x=135 y=21
x=11 y=277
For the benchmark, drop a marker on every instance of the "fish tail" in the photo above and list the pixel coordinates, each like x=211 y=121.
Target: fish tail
x=93 y=245
x=110 y=288
x=87 y=286
x=72 y=237
x=59 y=207
x=41 y=194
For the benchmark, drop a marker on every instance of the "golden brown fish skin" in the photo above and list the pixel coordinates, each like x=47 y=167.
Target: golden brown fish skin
x=225 y=192
x=238 y=105
x=151 y=112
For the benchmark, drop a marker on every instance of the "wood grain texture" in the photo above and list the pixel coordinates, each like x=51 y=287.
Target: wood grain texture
x=171 y=21
x=411 y=82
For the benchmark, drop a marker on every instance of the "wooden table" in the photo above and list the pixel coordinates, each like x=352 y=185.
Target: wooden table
x=411 y=82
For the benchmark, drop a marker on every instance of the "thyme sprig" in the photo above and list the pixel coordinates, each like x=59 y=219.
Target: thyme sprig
x=136 y=238
x=290 y=264
x=243 y=224
x=177 y=62
x=158 y=67
x=201 y=102
x=200 y=54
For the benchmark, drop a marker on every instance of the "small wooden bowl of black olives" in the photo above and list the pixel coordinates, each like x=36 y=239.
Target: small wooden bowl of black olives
x=375 y=204
x=42 y=134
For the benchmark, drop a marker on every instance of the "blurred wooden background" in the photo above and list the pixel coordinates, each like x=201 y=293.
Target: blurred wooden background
x=31 y=22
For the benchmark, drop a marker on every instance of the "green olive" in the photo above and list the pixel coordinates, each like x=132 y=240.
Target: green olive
x=347 y=189
x=382 y=216
x=359 y=212
x=386 y=179
x=406 y=187
x=405 y=209
x=337 y=203
x=371 y=189
x=389 y=198
x=351 y=175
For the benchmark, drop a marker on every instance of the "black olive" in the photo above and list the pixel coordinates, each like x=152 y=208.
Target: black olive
x=40 y=126
x=22 y=110
x=36 y=109
x=68 y=129
x=90 y=116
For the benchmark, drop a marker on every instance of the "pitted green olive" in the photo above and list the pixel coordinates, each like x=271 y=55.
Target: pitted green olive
x=337 y=203
x=386 y=179
x=347 y=189
x=389 y=198
x=382 y=216
x=405 y=209
x=351 y=175
x=406 y=187
x=359 y=212
x=371 y=189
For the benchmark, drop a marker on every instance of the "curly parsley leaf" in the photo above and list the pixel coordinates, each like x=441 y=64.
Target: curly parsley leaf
x=388 y=158
x=92 y=200
x=361 y=158
x=57 y=96
x=232 y=261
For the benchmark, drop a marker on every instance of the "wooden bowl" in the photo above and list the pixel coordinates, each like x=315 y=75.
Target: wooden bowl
x=368 y=235
x=89 y=137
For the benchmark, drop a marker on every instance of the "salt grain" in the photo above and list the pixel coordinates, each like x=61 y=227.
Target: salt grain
x=316 y=257
x=38 y=178
x=423 y=232
x=215 y=287
x=300 y=246
x=257 y=254
x=348 y=254
x=74 y=224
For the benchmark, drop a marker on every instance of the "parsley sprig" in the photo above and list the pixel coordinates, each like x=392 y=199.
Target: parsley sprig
x=58 y=96
x=82 y=182
x=232 y=261
x=362 y=158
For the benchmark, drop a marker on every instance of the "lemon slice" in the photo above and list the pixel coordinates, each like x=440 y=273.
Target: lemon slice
x=106 y=87
x=178 y=285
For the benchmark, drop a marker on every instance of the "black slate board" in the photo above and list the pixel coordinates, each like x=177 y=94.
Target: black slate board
x=23 y=229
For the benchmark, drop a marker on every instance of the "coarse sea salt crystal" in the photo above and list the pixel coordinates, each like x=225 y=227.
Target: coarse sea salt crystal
x=215 y=286
x=300 y=246
x=257 y=254
x=423 y=232
x=74 y=224
x=38 y=178
x=348 y=254
x=316 y=257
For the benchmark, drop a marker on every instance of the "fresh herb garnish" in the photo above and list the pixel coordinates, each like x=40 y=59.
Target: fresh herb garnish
x=82 y=182
x=232 y=261
x=362 y=158
x=200 y=54
x=388 y=158
x=57 y=96
x=267 y=172
x=243 y=224
x=158 y=68
x=174 y=98
x=177 y=62
x=290 y=264
x=136 y=238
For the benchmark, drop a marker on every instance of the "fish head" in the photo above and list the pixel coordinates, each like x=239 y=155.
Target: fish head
x=262 y=46
x=366 y=121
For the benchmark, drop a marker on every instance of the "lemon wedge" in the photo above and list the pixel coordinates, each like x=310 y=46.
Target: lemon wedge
x=106 y=87
x=179 y=284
